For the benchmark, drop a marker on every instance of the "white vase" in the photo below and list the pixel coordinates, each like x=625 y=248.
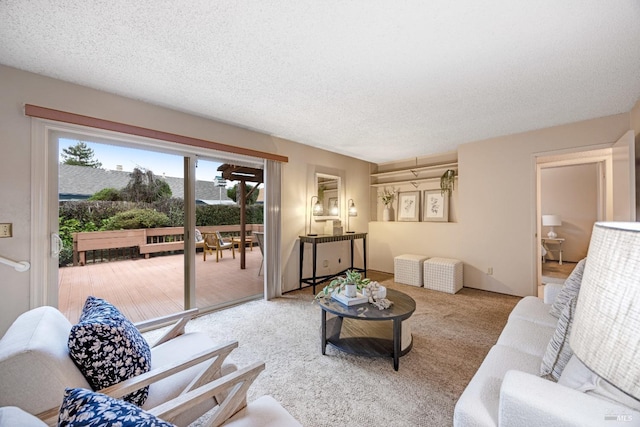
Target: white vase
x=350 y=291
x=387 y=214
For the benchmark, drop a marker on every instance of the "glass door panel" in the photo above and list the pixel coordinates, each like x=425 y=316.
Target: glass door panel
x=121 y=218
x=220 y=280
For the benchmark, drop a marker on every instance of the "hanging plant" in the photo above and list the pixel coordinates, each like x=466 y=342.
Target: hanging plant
x=447 y=182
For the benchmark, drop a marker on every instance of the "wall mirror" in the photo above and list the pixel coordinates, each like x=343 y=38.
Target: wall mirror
x=329 y=192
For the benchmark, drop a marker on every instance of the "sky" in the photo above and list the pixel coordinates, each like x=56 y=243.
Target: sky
x=160 y=163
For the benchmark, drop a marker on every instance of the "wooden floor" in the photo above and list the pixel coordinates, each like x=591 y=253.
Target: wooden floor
x=146 y=288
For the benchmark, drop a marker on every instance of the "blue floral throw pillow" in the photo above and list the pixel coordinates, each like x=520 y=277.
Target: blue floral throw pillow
x=81 y=407
x=108 y=348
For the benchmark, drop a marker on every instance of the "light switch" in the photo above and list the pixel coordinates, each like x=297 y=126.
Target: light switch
x=5 y=230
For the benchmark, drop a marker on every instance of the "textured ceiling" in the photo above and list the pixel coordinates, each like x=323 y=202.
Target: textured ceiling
x=376 y=80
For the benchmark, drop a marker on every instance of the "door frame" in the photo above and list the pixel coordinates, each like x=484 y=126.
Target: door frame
x=601 y=156
x=44 y=279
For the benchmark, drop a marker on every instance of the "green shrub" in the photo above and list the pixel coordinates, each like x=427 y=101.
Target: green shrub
x=108 y=194
x=137 y=218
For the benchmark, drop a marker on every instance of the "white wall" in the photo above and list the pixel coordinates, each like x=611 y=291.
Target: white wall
x=571 y=192
x=496 y=208
x=18 y=88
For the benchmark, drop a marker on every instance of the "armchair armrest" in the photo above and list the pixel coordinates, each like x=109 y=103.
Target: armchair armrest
x=529 y=400
x=181 y=318
x=234 y=386
x=551 y=291
x=218 y=354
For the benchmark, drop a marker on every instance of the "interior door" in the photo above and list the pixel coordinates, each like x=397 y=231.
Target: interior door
x=623 y=177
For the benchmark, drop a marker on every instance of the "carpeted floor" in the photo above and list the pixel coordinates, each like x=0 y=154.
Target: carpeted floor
x=451 y=336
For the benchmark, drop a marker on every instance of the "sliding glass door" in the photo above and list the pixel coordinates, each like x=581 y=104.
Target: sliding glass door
x=126 y=210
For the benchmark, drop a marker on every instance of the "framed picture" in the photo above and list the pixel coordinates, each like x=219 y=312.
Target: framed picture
x=436 y=206
x=409 y=206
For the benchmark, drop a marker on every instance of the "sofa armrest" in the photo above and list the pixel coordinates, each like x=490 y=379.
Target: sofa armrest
x=551 y=291
x=529 y=400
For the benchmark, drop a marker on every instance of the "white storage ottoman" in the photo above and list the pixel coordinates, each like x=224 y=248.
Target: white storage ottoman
x=443 y=274
x=408 y=269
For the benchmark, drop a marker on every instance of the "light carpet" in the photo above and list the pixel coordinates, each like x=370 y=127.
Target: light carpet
x=451 y=336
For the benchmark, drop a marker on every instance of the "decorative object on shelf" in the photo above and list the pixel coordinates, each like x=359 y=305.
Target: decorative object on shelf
x=351 y=212
x=387 y=197
x=436 y=206
x=409 y=206
x=333 y=227
x=551 y=221
x=377 y=295
x=447 y=182
x=604 y=334
x=340 y=284
x=315 y=210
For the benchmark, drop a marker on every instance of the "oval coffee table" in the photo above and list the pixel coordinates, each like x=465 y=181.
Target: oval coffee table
x=365 y=330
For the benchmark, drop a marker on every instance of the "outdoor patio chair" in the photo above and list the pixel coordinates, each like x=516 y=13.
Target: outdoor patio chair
x=215 y=242
x=36 y=367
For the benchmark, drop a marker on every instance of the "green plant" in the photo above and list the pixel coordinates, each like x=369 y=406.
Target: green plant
x=387 y=196
x=351 y=277
x=137 y=218
x=108 y=194
x=447 y=182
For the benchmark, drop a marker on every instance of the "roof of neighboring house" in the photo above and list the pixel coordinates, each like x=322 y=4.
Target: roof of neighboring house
x=81 y=182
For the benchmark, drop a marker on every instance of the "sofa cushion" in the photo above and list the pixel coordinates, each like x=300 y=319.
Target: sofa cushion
x=35 y=366
x=535 y=310
x=526 y=336
x=558 y=350
x=108 y=348
x=12 y=416
x=578 y=376
x=264 y=412
x=81 y=407
x=569 y=290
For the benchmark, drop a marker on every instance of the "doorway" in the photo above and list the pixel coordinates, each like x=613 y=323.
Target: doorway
x=571 y=195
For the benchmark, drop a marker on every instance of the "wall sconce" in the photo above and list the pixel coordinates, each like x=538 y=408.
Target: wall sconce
x=352 y=211
x=315 y=210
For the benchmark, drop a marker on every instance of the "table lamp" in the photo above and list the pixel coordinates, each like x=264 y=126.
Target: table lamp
x=605 y=334
x=551 y=221
x=351 y=212
x=315 y=210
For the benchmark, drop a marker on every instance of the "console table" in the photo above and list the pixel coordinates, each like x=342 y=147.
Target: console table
x=326 y=238
x=555 y=241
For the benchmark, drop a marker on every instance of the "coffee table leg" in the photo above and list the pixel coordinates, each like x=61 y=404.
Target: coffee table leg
x=323 y=337
x=397 y=341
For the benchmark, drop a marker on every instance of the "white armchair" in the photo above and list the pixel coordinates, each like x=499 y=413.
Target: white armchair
x=185 y=378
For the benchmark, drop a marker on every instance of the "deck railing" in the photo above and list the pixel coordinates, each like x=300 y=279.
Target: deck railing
x=123 y=244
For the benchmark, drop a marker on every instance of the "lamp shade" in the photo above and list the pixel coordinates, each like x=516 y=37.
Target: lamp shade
x=605 y=334
x=551 y=220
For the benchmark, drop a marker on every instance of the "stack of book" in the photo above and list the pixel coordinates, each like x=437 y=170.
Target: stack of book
x=345 y=300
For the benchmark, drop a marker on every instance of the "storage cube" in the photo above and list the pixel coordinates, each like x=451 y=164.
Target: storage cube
x=443 y=274
x=408 y=269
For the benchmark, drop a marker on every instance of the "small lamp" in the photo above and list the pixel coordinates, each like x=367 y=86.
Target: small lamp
x=334 y=210
x=315 y=210
x=351 y=212
x=605 y=334
x=551 y=221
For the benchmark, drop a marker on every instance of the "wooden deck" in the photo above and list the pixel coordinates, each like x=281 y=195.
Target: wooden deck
x=147 y=288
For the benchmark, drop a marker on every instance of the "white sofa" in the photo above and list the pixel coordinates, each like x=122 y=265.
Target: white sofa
x=507 y=389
